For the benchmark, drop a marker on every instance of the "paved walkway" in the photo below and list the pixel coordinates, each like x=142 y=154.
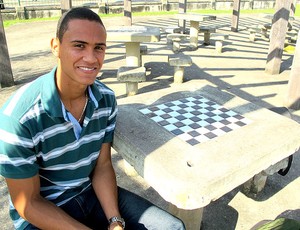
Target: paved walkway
x=239 y=70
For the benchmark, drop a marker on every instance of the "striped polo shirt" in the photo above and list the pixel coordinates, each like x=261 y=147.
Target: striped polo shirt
x=38 y=136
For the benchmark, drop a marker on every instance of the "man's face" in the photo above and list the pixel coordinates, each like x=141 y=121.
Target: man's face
x=81 y=51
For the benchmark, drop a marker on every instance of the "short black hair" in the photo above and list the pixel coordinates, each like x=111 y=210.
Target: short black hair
x=75 y=13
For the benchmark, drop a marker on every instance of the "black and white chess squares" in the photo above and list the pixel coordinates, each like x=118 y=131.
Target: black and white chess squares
x=195 y=119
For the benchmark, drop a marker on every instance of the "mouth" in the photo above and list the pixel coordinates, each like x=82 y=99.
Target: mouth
x=87 y=69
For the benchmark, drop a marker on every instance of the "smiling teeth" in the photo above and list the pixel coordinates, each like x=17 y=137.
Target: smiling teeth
x=86 y=68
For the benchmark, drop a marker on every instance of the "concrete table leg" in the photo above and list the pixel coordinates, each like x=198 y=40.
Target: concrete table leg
x=133 y=54
x=178 y=74
x=176 y=45
x=129 y=169
x=194 y=26
x=256 y=184
x=131 y=88
x=219 y=46
x=252 y=36
x=207 y=38
x=191 y=218
x=264 y=33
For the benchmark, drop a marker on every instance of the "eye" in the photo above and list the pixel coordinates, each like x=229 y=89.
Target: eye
x=100 y=48
x=79 y=45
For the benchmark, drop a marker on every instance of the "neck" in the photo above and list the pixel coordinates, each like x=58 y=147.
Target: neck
x=69 y=90
x=74 y=96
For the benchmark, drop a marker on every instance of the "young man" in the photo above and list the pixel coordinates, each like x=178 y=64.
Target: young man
x=55 y=140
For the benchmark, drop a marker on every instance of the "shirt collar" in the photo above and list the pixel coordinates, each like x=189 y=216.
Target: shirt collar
x=51 y=100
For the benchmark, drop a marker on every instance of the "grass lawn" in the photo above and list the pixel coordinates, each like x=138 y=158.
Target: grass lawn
x=8 y=23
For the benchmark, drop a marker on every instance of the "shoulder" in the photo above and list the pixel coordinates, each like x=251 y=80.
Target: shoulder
x=104 y=89
x=24 y=99
x=103 y=94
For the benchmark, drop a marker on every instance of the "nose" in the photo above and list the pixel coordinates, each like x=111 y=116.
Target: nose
x=90 y=56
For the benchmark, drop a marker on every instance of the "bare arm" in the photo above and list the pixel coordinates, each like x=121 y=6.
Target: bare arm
x=25 y=195
x=104 y=183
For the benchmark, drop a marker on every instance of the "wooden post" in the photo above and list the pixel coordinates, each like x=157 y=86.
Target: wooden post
x=65 y=5
x=127 y=12
x=293 y=8
x=235 y=15
x=213 y=4
x=6 y=76
x=293 y=96
x=277 y=36
x=251 y=4
x=165 y=5
x=182 y=9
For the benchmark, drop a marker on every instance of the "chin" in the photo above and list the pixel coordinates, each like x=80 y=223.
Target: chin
x=90 y=81
x=88 y=77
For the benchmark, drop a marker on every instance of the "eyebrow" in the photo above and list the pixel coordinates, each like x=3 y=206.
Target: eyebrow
x=83 y=42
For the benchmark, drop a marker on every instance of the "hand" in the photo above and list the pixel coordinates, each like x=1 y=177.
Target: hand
x=115 y=226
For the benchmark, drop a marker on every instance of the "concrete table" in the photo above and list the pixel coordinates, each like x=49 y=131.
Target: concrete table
x=195 y=20
x=132 y=36
x=238 y=140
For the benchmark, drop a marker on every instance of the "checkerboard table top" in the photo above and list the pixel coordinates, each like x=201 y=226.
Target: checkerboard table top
x=195 y=119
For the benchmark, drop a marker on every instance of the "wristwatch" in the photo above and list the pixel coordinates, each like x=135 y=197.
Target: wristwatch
x=116 y=219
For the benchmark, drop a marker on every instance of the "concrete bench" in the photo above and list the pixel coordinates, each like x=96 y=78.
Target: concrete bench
x=219 y=41
x=207 y=30
x=179 y=62
x=257 y=183
x=175 y=39
x=259 y=29
x=262 y=30
x=292 y=36
x=131 y=76
x=172 y=30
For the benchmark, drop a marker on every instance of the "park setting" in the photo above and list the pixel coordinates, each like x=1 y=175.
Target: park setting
x=208 y=96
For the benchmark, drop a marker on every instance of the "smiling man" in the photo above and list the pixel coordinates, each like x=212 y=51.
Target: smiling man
x=55 y=142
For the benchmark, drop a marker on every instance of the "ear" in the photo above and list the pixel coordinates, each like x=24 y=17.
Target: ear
x=55 y=46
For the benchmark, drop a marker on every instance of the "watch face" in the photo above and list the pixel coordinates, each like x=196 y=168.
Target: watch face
x=117 y=219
